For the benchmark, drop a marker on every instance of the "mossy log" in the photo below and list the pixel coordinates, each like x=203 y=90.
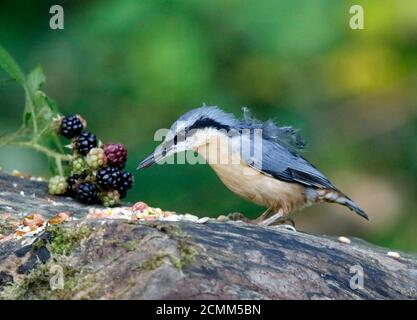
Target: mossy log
x=117 y=259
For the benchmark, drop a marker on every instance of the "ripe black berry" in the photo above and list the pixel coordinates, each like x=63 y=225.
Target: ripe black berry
x=122 y=193
x=73 y=182
x=85 y=142
x=71 y=126
x=87 y=193
x=108 y=177
x=124 y=183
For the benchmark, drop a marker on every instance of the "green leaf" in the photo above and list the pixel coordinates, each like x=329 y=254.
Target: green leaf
x=52 y=104
x=8 y=64
x=38 y=129
x=35 y=79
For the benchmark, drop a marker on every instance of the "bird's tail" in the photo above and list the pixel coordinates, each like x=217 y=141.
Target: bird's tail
x=336 y=196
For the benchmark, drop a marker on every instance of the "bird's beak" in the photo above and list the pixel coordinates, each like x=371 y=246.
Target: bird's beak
x=157 y=156
x=147 y=162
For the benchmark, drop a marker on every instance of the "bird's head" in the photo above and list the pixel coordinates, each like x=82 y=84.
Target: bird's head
x=192 y=130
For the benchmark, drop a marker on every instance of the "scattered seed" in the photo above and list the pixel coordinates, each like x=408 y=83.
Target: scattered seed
x=139 y=206
x=16 y=173
x=35 y=220
x=344 y=240
x=59 y=218
x=28 y=241
x=14 y=185
x=203 y=220
x=190 y=217
x=172 y=218
x=22 y=193
x=393 y=254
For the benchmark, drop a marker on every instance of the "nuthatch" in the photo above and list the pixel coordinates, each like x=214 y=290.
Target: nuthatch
x=257 y=160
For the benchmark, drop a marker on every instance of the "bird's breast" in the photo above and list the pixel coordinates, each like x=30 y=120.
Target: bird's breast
x=254 y=185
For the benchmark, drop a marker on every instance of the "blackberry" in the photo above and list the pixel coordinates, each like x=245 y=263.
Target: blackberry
x=122 y=193
x=71 y=126
x=87 y=193
x=57 y=185
x=116 y=154
x=78 y=166
x=108 y=177
x=124 y=183
x=85 y=142
x=96 y=158
x=73 y=182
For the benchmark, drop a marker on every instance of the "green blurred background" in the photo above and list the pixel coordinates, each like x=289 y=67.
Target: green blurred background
x=131 y=67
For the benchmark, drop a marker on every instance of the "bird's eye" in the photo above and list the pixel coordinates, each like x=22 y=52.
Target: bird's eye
x=179 y=137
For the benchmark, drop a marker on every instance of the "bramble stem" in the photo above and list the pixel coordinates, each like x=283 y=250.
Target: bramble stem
x=42 y=149
x=48 y=152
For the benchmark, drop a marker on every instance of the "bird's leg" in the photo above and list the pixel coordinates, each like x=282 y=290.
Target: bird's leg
x=263 y=216
x=266 y=221
x=278 y=220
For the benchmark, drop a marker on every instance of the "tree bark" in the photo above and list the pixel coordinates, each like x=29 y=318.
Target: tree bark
x=117 y=259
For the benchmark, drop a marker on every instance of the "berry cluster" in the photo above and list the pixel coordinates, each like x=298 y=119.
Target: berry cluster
x=96 y=170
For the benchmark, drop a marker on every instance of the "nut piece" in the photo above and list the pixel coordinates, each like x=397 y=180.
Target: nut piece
x=190 y=217
x=59 y=218
x=393 y=254
x=222 y=218
x=34 y=220
x=203 y=220
x=344 y=240
x=140 y=206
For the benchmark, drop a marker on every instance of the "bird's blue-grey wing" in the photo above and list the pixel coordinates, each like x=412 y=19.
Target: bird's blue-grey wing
x=284 y=164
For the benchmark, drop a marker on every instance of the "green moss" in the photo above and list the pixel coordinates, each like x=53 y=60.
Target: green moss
x=187 y=255
x=130 y=245
x=6 y=227
x=187 y=252
x=65 y=240
x=172 y=229
x=155 y=262
x=36 y=285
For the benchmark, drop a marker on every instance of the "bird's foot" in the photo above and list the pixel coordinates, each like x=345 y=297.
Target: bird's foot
x=274 y=222
x=284 y=226
x=278 y=220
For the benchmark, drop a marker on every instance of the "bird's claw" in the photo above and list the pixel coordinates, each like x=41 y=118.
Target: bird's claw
x=284 y=226
x=289 y=227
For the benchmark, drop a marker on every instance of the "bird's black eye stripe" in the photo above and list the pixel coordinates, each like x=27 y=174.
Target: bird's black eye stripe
x=206 y=123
